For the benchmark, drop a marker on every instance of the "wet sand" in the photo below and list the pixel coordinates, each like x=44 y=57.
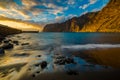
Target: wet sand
x=107 y=57
x=110 y=75
x=31 y=72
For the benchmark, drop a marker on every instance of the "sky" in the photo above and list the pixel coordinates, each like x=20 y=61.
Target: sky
x=48 y=11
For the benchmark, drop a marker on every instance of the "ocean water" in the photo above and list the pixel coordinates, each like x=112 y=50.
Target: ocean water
x=92 y=53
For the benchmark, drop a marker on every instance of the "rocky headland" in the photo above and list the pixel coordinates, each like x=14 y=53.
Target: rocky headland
x=106 y=20
x=4 y=31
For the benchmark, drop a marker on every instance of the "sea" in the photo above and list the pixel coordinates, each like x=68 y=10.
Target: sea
x=92 y=56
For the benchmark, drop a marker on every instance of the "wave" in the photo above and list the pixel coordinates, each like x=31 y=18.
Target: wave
x=90 y=46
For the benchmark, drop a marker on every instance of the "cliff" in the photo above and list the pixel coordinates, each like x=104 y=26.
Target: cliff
x=5 y=30
x=73 y=25
x=106 y=20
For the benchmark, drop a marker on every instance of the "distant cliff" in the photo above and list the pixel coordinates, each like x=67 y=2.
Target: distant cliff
x=73 y=25
x=106 y=20
x=5 y=30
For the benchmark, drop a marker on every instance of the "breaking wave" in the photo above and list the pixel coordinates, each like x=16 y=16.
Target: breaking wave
x=91 y=46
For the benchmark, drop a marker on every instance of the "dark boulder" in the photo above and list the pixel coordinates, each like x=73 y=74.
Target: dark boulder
x=37 y=65
x=6 y=41
x=60 y=57
x=16 y=42
x=38 y=72
x=38 y=56
x=43 y=64
x=1 y=38
x=25 y=44
x=69 y=60
x=62 y=60
x=33 y=75
x=2 y=51
x=7 y=46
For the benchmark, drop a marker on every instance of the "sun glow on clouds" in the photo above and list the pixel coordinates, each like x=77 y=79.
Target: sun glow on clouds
x=20 y=25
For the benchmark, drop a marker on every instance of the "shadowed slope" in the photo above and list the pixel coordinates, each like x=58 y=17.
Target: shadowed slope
x=5 y=30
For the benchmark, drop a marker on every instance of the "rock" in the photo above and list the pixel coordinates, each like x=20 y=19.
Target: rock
x=25 y=44
x=6 y=41
x=43 y=64
x=33 y=75
x=37 y=65
x=69 y=60
x=16 y=42
x=7 y=46
x=29 y=69
x=60 y=57
x=38 y=72
x=9 y=39
x=21 y=55
x=38 y=56
x=2 y=51
x=18 y=36
x=1 y=38
x=62 y=60
x=72 y=72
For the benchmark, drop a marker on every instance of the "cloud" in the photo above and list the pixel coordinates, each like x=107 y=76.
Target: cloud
x=50 y=5
x=84 y=12
x=93 y=1
x=95 y=10
x=59 y=19
x=84 y=6
x=87 y=5
x=44 y=11
x=53 y=9
x=12 y=10
x=70 y=16
x=14 y=13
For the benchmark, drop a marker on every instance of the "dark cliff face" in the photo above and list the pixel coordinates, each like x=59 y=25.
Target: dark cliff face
x=106 y=20
x=5 y=30
x=73 y=25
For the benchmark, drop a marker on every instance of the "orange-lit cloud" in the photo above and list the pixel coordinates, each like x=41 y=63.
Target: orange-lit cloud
x=25 y=26
x=22 y=26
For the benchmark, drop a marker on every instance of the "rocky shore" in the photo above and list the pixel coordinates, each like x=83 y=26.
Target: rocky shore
x=24 y=57
x=5 y=31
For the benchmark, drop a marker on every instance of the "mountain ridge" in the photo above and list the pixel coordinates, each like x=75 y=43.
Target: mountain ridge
x=5 y=30
x=106 y=20
x=71 y=25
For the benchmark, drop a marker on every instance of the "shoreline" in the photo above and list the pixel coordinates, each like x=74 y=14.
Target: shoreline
x=55 y=61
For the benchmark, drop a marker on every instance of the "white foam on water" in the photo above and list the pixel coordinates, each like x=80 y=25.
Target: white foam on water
x=91 y=46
